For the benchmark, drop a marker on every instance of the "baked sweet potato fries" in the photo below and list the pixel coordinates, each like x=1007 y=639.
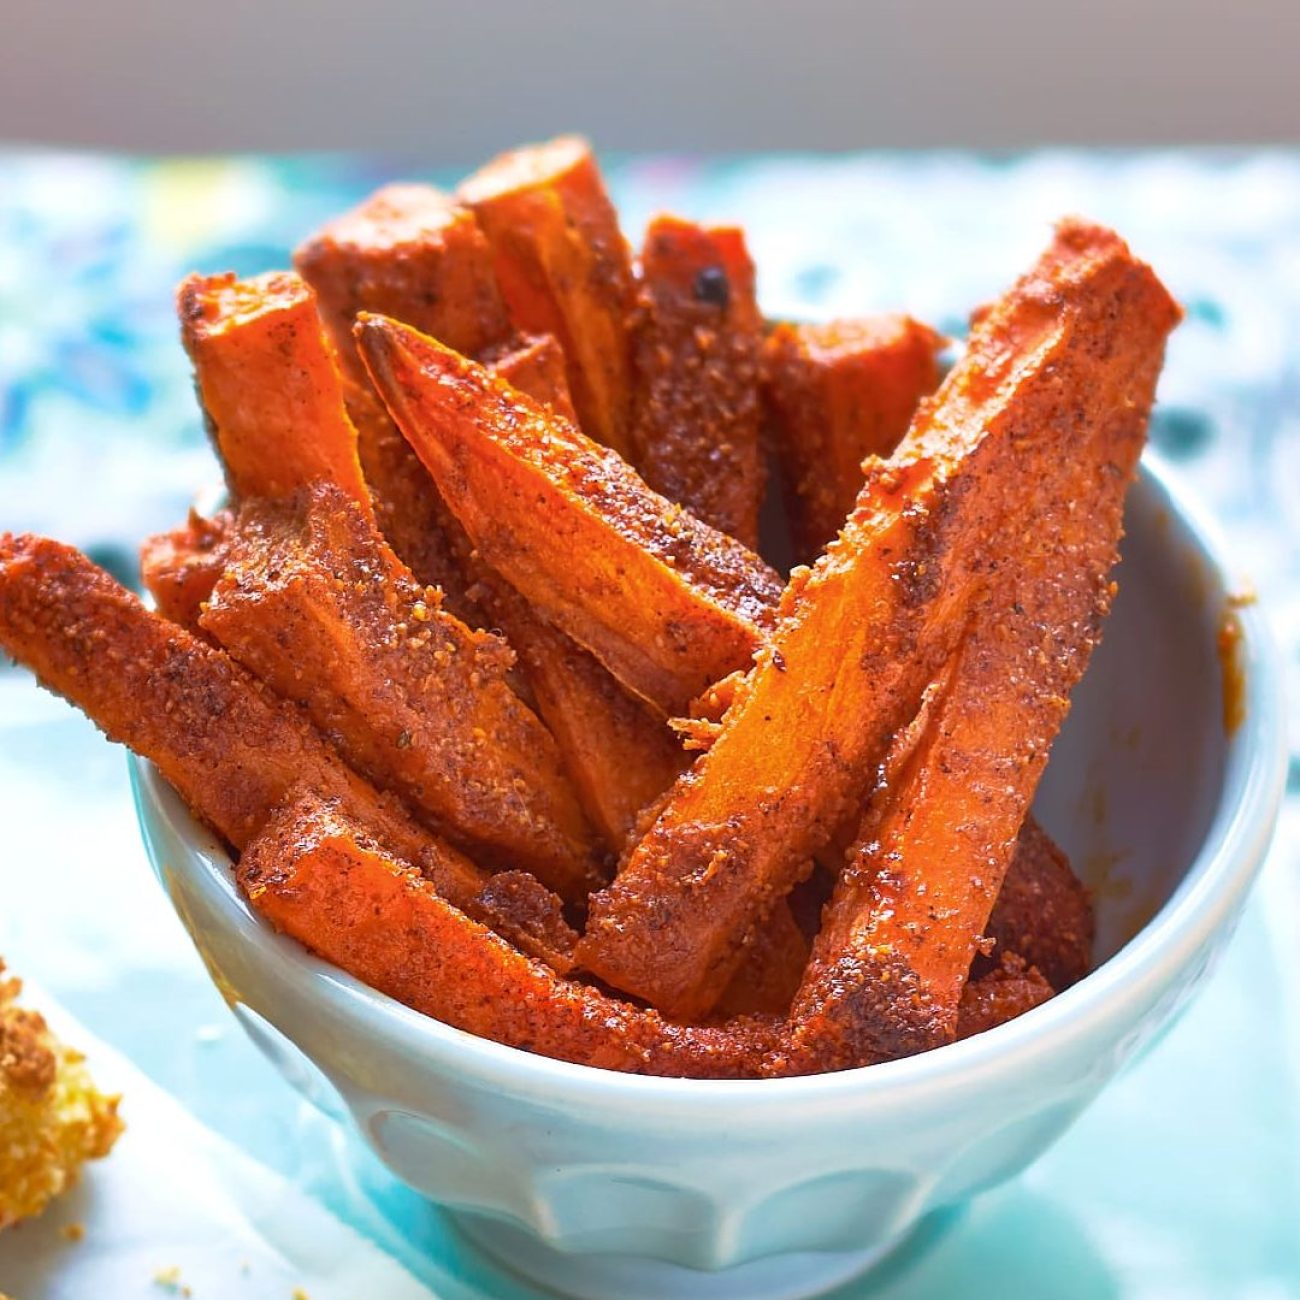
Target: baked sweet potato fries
x=505 y=704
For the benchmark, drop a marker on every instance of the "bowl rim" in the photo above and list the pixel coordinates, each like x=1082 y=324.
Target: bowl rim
x=1229 y=857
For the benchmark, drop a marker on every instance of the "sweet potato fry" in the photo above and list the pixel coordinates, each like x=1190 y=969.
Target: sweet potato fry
x=833 y=395
x=535 y=366
x=619 y=754
x=408 y=251
x=771 y=971
x=411 y=252
x=269 y=383
x=316 y=604
x=527 y=914
x=890 y=962
x=564 y=269
x=696 y=337
x=231 y=747
x=1009 y=990
x=859 y=639
x=180 y=568
x=411 y=515
x=1043 y=913
x=668 y=604
x=316 y=877
x=414 y=253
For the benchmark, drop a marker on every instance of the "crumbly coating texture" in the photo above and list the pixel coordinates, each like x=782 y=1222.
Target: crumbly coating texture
x=52 y=1118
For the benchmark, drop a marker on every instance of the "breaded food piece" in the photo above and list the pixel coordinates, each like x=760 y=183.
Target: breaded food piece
x=1043 y=912
x=564 y=269
x=1008 y=990
x=52 y=1117
x=315 y=876
x=861 y=637
x=834 y=394
x=696 y=337
x=269 y=382
x=914 y=898
x=179 y=568
x=316 y=604
x=668 y=604
x=229 y=745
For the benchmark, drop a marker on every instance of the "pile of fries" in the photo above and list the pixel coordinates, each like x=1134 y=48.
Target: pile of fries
x=494 y=685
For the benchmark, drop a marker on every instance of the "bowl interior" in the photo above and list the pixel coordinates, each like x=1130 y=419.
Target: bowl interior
x=1136 y=776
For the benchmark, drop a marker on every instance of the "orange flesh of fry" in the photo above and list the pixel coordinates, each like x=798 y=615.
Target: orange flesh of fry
x=696 y=335
x=668 y=604
x=317 y=605
x=860 y=638
x=891 y=959
x=564 y=269
x=535 y=367
x=230 y=746
x=835 y=394
x=317 y=879
x=772 y=969
x=619 y=753
x=412 y=252
x=270 y=385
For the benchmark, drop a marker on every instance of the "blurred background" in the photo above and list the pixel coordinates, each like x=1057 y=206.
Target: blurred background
x=451 y=82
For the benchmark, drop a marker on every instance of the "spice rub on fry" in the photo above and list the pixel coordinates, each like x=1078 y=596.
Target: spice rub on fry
x=314 y=875
x=564 y=269
x=668 y=604
x=316 y=604
x=230 y=746
x=891 y=959
x=859 y=640
x=696 y=337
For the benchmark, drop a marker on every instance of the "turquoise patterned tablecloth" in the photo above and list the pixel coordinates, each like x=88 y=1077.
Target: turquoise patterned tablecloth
x=1184 y=1181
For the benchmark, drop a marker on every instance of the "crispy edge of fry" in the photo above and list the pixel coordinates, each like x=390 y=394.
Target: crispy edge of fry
x=858 y=640
x=1043 y=912
x=1010 y=989
x=665 y=602
x=269 y=383
x=230 y=746
x=564 y=268
x=179 y=568
x=528 y=915
x=315 y=603
x=696 y=341
x=894 y=951
x=409 y=251
x=834 y=394
x=315 y=876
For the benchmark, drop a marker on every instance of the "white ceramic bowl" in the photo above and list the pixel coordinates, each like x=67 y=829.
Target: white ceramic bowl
x=604 y=1184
